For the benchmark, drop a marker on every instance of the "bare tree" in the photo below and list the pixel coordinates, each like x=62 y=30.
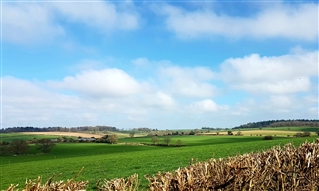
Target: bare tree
x=167 y=140
x=112 y=139
x=179 y=143
x=155 y=140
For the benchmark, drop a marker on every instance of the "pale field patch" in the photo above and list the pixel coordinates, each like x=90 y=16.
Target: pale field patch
x=68 y=134
x=270 y=132
x=259 y=132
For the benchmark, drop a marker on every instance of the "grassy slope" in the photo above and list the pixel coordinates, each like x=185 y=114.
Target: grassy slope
x=110 y=161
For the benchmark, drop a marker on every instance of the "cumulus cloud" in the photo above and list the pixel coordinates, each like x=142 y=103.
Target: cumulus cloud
x=27 y=103
x=159 y=99
x=101 y=83
x=280 y=101
x=164 y=99
x=28 y=22
x=25 y=23
x=191 y=82
x=114 y=97
x=276 y=75
x=296 y=22
x=102 y=15
x=206 y=105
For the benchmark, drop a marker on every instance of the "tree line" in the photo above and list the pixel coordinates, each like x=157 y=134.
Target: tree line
x=281 y=123
x=21 y=147
x=61 y=129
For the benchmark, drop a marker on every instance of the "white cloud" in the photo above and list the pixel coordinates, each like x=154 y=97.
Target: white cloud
x=24 y=23
x=191 y=82
x=164 y=99
x=101 y=83
x=175 y=98
x=206 y=105
x=296 y=22
x=141 y=61
x=31 y=22
x=297 y=50
x=280 y=101
x=27 y=103
x=277 y=107
x=276 y=75
x=102 y=15
x=313 y=111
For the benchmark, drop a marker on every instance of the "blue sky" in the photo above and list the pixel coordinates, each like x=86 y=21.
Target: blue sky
x=158 y=64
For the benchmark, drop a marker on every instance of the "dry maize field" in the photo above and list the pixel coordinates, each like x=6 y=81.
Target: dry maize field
x=288 y=168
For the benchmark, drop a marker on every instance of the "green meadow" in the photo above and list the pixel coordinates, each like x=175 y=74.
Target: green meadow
x=129 y=156
x=19 y=136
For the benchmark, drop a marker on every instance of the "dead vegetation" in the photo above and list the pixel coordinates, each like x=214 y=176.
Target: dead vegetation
x=119 y=184
x=50 y=185
x=289 y=168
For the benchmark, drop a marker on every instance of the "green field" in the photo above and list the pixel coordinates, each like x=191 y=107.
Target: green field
x=19 y=136
x=124 y=159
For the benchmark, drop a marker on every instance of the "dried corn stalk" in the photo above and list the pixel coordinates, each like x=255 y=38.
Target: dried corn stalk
x=49 y=185
x=119 y=184
x=287 y=168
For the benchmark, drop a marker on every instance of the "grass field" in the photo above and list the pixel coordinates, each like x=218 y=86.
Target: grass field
x=110 y=161
x=20 y=136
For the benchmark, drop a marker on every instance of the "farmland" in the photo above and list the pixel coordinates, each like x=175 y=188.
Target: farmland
x=102 y=161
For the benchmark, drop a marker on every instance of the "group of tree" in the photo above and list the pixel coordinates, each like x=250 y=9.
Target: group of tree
x=143 y=129
x=112 y=139
x=213 y=128
x=168 y=133
x=304 y=134
x=281 y=123
x=20 y=147
x=166 y=141
x=60 y=129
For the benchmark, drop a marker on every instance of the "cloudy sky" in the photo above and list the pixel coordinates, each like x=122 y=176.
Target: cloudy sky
x=157 y=64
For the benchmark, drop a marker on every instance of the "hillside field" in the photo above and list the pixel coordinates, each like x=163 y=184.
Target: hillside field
x=102 y=161
x=274 y=131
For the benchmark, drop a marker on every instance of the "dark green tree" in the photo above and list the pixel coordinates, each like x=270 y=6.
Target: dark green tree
x=18 y=147
x=45 y=145
x=4 y=148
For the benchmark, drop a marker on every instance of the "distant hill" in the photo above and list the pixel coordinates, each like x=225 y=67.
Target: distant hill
x=281 y=123
x=58 y=129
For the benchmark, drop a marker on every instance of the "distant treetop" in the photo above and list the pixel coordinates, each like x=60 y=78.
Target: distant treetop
x=62 y=129
x=281 y=123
